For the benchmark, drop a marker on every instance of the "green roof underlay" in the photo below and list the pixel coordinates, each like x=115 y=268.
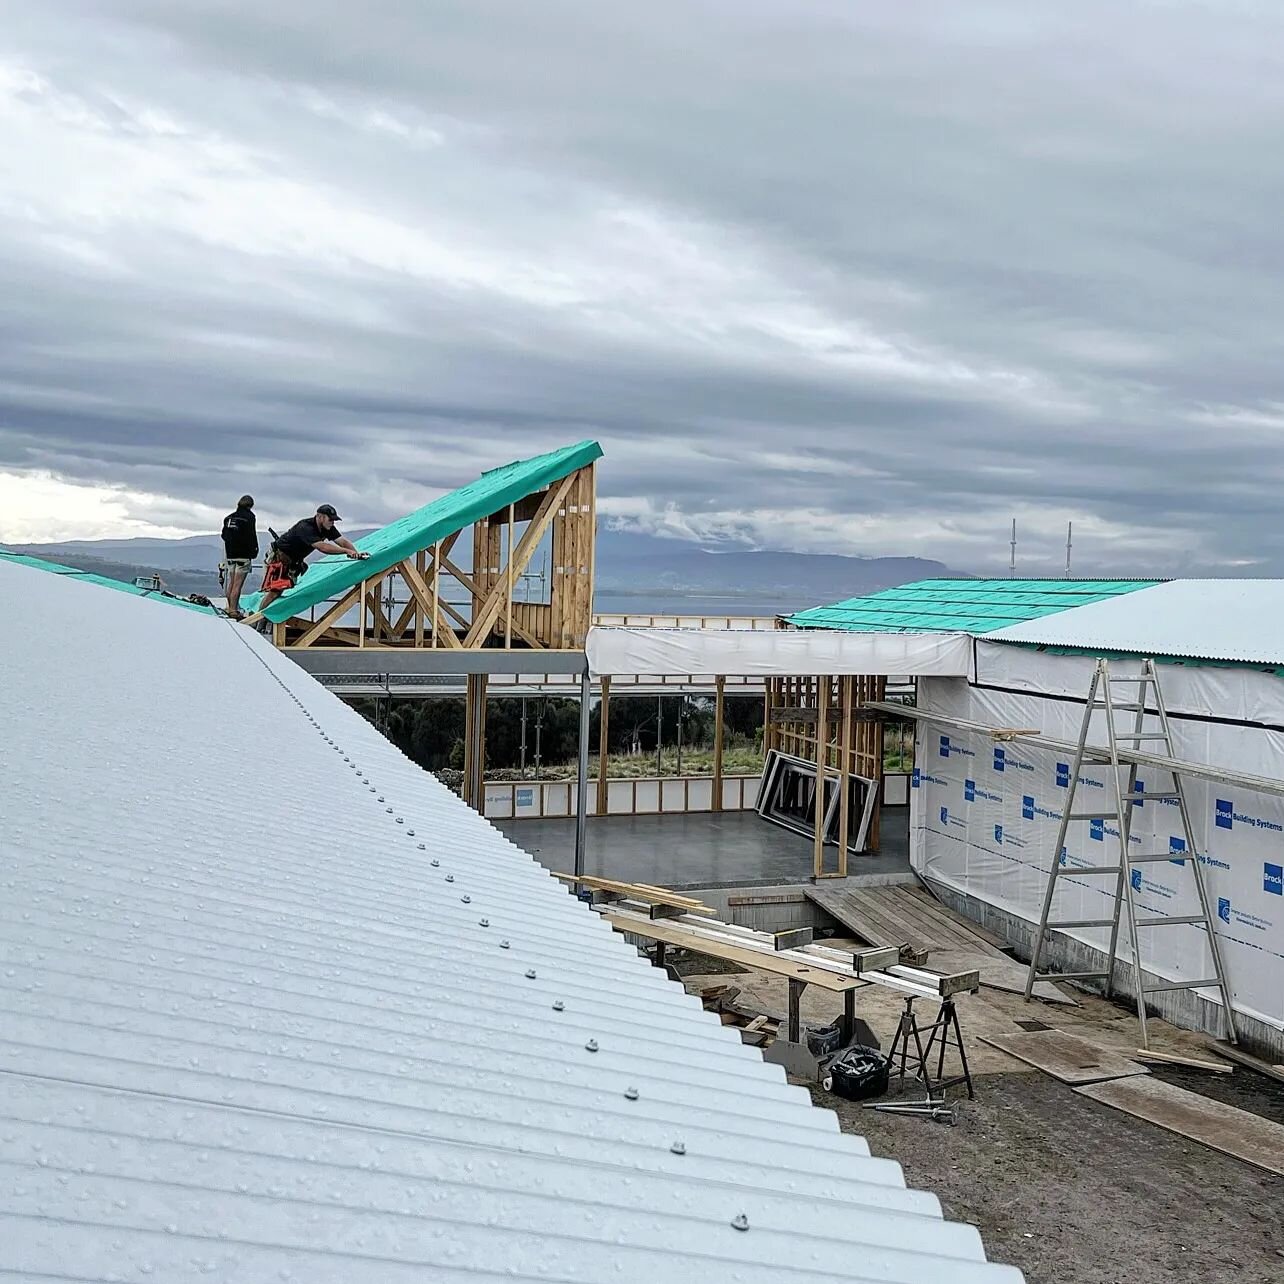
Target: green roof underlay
x=331 y=577
x=960 y=606
x=86 y=577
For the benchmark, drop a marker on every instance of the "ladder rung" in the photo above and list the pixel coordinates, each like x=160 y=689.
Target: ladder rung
x=1181 y=985
x=1119 y=677
x=1068 y=976
x=1086 y=869
x=1092 y=815
x=1143 y=858
x=1141 y=735
x=1130 y=705
x=1155 y=797
x=1161 y=921
x=1081 y=922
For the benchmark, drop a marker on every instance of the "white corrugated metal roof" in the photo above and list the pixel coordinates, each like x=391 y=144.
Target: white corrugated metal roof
x=1196 y=619
x=320 y=1022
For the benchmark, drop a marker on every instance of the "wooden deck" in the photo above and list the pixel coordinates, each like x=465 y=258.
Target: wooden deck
x=927 y=932
x=904 y=916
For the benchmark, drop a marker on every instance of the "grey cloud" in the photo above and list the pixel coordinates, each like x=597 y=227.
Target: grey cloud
x=1007 y=257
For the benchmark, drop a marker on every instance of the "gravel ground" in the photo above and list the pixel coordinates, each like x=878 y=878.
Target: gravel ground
x=1069 y=1190
x=1073 y=1192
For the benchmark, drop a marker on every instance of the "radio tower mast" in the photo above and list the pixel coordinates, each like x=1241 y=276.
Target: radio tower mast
x=1069 y=532
x=1012 y=560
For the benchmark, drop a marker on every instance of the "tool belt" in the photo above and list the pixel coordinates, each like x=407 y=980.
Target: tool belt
x=281 y=572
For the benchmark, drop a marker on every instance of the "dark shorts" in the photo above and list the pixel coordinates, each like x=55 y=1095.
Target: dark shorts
x=238 y=566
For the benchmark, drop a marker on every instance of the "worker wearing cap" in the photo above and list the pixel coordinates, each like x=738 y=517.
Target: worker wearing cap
x=288 y=559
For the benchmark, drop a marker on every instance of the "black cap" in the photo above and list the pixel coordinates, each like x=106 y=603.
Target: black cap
x=327 y=510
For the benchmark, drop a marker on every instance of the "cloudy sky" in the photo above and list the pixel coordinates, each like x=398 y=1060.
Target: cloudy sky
x=819 y=274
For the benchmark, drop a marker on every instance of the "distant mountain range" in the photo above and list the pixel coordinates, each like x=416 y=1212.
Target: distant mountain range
x=630 y=567
x=632 y=563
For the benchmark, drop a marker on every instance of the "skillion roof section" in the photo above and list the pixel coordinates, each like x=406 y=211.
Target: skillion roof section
x=1239 y=621
x=361 y=1035
x=330 y=577
x=961 y=606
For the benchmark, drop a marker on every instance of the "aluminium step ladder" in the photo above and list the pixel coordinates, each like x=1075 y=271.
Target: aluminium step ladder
x=1115 y=755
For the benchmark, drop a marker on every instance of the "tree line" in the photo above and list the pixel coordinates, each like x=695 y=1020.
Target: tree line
x=543 y=731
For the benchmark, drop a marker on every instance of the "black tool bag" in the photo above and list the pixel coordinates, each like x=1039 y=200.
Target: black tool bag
x=857 y=1073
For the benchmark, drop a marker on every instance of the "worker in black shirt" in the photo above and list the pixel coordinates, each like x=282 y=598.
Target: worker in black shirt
x=288 y=559
x=240 y=548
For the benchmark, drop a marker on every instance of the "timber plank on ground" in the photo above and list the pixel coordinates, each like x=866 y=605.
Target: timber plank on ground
x=1221 y=1127
x=1065 y=1056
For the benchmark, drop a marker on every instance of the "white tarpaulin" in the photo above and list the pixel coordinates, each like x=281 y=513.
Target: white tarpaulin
x=774 y=653
x=984 y=815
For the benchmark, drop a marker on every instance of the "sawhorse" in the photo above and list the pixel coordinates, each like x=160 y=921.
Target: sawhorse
x=943 y=1033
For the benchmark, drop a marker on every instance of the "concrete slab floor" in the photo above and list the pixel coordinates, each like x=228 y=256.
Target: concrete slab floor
x=699 y=849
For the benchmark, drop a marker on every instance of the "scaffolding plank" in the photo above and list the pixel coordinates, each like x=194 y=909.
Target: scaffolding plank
x=1221 y=1127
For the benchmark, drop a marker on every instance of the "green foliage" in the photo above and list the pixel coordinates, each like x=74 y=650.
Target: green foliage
x=431 y=733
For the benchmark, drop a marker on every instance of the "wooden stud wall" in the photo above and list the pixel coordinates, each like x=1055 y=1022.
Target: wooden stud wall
x=852 y=745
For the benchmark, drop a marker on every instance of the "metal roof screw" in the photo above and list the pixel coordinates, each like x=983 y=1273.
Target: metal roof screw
x=740 y=1222
x=434 y=862
x=381 y=798
x=400 y=821
x=467 y=900
x=530 y=973
x=450 y=878
x=346 y=758
x=410 y=833
x=678 y=1148
x=372 y=789
x=559 y=1006
x=389 y=811
x=591 y=1045
x=423 y=847
x=485 y=922
x=631 y=1094
x=503 y=945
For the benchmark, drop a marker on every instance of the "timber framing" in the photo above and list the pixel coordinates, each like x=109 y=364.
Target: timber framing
x=829 y=721
x=427 y=601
